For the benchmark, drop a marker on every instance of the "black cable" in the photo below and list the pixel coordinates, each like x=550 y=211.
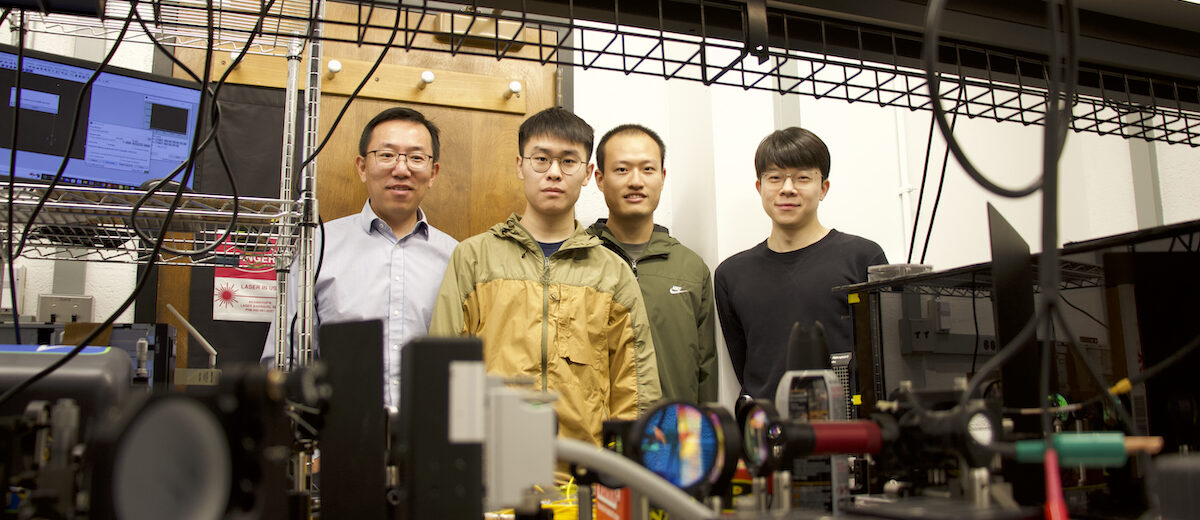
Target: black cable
x=1044 y=384
x=1007 y=450
x=12 y=175
x=912 y=242
x=933 y=21
x=1048 y=262
x=353 y=95
x=1085 y=313
x=1166 y=363
x=1135 y=379
x=941 y=184
x=1010 y=349
x=975 y=318
x=987 y=390
x=316 y=315
x=157 y=44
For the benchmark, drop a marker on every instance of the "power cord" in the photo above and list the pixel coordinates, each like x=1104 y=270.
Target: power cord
x=1085 y=313
x=12 y=161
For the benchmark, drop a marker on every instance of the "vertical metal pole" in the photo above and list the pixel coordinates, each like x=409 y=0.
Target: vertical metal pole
x=305 y=254
x=306 y=309
x=287 y=226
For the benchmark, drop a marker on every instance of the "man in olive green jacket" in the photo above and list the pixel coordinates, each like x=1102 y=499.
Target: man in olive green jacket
x=547 y=299
x=675 y=282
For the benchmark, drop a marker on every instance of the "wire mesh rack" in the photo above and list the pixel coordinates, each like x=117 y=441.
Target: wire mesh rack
x=804 y=55
x=80 y=223
x=976 y=280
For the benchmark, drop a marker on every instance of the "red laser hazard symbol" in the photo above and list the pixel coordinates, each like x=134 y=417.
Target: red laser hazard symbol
x=226 y=295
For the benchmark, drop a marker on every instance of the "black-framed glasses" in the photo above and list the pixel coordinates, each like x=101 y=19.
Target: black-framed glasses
x=567 y=165
x=776 y=179
x=414 y=161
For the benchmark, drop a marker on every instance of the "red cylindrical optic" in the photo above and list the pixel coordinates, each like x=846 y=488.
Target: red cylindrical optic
x=845 y=437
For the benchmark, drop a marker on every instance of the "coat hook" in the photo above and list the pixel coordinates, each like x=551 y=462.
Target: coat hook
x=514 y=89
x=427 y=77
x=334 y=67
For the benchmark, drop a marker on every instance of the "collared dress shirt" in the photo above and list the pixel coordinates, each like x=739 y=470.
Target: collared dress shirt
x=369 y=273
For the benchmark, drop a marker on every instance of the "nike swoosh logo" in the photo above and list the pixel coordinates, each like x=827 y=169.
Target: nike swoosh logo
x=675 y=289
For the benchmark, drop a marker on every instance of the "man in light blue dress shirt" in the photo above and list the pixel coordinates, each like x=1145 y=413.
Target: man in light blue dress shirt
x=385 y=262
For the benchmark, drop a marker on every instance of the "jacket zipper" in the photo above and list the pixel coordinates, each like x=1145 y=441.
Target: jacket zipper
x=634 y=262
x=545 y=314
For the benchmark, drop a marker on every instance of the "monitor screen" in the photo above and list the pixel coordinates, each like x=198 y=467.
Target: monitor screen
x=132 y=126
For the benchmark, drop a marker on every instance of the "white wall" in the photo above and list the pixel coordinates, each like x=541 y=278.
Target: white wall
x=1179 y=176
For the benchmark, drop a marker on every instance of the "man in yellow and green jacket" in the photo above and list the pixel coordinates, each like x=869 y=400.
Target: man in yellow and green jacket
x=547 y=298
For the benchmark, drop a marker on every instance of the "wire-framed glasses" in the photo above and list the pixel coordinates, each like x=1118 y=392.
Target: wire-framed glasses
x=414 y=161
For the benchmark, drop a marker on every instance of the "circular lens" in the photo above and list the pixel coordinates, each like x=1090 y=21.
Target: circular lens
x=172 y=462
x=980 y=429
x=679 y=443
x=755 y=435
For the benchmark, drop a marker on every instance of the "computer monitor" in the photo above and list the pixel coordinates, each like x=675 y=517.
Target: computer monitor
x=132 y=126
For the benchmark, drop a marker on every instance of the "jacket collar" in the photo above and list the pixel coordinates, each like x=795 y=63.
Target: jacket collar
x=659 y=245
x=513 y=230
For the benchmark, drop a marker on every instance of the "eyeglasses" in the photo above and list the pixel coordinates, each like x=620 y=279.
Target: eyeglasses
x=567 y=165
x=414 y=161
x=777 y=179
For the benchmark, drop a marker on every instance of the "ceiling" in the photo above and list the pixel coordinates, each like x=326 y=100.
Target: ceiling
x=1171 y=13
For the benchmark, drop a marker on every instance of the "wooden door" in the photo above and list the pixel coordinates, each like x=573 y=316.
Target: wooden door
x=477 y=184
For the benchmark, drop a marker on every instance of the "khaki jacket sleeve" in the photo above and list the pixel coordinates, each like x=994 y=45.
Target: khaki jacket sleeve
x=632 y=364
x=449 y=311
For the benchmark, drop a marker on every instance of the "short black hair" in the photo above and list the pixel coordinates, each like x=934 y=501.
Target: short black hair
x=629 y=129
x=792 y=147
x=556 y=122
x=399 y=114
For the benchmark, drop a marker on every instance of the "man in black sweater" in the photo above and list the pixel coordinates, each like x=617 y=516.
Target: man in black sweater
x=788 y=277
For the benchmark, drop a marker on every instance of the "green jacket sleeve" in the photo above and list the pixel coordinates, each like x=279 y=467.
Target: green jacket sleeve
x=708 y=344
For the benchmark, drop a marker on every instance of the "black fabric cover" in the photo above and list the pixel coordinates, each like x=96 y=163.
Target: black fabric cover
x=251 y=133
